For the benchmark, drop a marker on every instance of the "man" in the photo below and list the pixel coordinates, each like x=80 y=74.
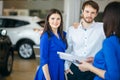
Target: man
x=84 y=41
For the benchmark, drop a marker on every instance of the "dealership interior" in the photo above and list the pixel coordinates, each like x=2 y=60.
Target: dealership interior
x=25 y=69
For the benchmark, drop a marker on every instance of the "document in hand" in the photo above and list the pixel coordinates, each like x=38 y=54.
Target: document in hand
x=70 y=57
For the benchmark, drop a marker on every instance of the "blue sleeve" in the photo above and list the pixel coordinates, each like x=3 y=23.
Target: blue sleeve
x=44 y=49
x=64 y=33
x=112 y=68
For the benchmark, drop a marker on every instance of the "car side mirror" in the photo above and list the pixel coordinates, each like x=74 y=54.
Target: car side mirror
x=3 y=32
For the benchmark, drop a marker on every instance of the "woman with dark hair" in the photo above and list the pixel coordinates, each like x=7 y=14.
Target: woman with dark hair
x=52 y=40
x=106 y=64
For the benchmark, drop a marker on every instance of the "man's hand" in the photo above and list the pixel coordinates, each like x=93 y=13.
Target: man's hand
x=90 y=59
x=69 y=71
x=41 y=31
x=75 y=25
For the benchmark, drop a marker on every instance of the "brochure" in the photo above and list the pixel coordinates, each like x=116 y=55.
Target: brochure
x=70 y=57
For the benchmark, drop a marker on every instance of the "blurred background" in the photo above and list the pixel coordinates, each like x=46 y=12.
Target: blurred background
x=25 y=68
x=71 y=9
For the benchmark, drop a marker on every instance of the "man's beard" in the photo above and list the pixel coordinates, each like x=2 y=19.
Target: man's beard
x=88 y=21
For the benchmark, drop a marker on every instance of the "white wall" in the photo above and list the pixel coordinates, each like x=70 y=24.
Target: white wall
x=71 y=12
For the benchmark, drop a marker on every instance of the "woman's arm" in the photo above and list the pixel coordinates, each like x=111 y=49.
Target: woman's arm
x=46 y=72
x=44 y=42
x=85 y=66
x=97 y=71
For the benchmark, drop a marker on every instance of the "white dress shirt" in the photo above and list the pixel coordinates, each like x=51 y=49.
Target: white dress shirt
x=84 y=42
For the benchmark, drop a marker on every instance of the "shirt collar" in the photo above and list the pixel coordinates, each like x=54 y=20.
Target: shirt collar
x=80 y=25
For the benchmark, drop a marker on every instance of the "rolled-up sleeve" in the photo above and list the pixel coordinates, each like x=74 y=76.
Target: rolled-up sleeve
x=44 y=49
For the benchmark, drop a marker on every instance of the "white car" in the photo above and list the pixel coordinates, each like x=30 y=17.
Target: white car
x=24 y=32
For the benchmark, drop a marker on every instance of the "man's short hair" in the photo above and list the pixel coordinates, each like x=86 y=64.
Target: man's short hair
x=92 y=4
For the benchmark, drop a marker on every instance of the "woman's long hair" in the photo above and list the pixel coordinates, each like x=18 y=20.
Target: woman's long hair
x=111 y=19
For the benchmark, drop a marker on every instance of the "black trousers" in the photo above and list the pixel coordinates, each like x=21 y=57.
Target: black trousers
x=78 y=75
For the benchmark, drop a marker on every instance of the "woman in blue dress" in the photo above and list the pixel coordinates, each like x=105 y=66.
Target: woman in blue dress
x=106 y=64
x=53 y=39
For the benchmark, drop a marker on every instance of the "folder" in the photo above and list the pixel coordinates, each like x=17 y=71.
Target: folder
x=70 y=57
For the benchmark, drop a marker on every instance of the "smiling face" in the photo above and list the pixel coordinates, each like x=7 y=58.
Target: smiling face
x=89 y=14
x=54 y=21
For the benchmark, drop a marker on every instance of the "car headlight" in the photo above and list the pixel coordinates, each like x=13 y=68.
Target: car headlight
x=3 y=32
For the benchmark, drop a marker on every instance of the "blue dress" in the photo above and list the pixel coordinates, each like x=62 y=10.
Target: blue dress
x=108 y=58
x=48 y=55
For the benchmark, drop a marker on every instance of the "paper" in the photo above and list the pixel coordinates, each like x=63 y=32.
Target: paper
x=70 y=57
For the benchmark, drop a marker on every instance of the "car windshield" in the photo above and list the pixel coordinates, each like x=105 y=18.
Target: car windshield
x=41 y=23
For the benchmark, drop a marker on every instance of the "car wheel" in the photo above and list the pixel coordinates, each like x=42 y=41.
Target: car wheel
x=8 y=64
x=25 y=50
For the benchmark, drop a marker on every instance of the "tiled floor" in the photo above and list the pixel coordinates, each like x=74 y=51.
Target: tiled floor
x=22 y=69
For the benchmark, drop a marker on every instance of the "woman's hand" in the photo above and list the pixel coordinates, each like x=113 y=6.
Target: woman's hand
x=84 y=66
